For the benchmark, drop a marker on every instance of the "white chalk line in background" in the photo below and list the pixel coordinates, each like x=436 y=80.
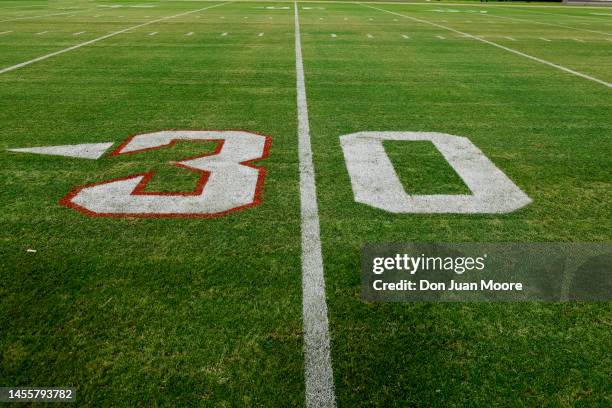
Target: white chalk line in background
x=104 y=37
x=44 y=15
x=522 y=54
x=318 y=374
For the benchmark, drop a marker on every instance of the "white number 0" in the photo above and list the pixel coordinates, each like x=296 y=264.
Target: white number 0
x=376 y=183
x=228 y=181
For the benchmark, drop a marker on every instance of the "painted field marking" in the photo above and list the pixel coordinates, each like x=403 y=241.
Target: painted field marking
x=369 y=36
x=481 y=39
x=45 y=15
x=223 y=34
x=375 y=182
x=441 y=37
x=189 y=34
x=79 y=33
x=405 y=36
x=104 y=37
x=42 y=32
x=91 y=151
x=318 y=375
x=153 y=33
x=510 y=38
x=334 y=35
x=5 y=32
x=544 y=39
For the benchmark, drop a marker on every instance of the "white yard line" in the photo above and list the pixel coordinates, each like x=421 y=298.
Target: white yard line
x=44 y=15
x=104 y=37
x=522 y=54
x=318 y=373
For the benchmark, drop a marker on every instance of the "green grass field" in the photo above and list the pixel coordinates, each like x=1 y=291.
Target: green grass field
x=197 y=311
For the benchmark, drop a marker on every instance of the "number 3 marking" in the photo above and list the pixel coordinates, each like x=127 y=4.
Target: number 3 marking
x=376 y=183
x=228 y=181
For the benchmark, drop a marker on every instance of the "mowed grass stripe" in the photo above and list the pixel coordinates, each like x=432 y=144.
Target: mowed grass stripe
x=544 y=128
x=512 y=50
x=524 y=20
x=104 y=37
x=201 y=312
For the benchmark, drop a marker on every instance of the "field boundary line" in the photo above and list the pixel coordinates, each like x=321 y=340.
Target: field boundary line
x=46 y=15
x=104 y=37
x=512 y=50
x=318 y=374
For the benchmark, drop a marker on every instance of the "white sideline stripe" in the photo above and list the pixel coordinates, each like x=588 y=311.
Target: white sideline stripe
x=104 y=37
x=522 y=54
x=79 y=33
x=318 y=376
x=45 y=15
x=544 y=39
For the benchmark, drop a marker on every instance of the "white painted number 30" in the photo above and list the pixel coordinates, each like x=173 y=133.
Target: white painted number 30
x=376 y=183
x=228 y=180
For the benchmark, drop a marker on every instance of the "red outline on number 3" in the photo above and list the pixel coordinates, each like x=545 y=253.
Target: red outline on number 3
x=139 y=190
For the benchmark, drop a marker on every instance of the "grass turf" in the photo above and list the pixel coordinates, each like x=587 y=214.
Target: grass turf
x=208 y=311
